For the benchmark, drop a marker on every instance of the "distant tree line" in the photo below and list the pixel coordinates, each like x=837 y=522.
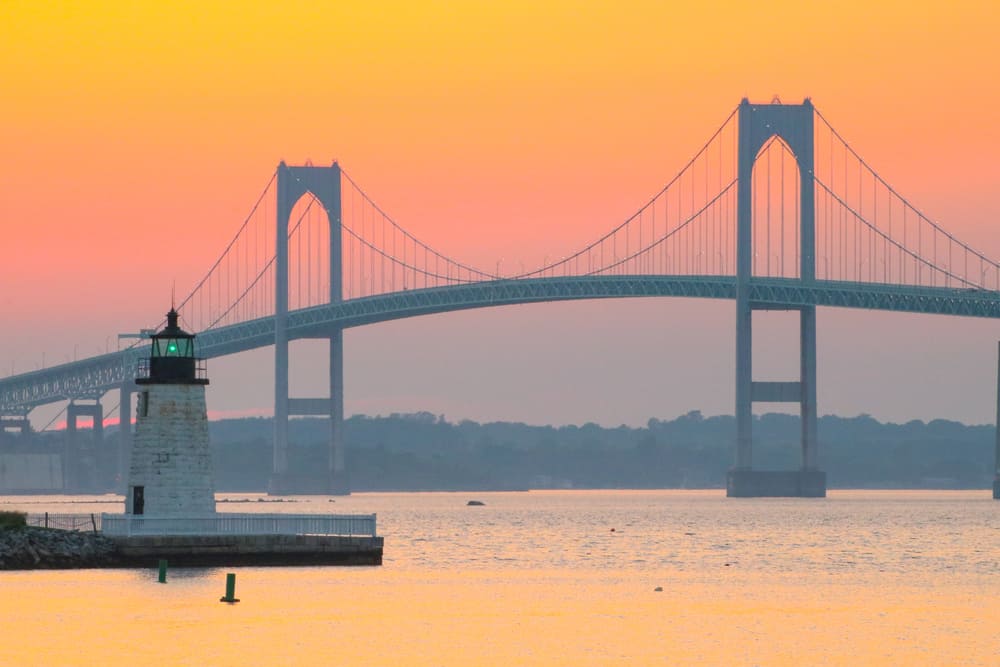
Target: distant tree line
x=423 y=451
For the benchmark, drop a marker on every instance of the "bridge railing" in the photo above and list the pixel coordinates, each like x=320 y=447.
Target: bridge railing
x=124 y=525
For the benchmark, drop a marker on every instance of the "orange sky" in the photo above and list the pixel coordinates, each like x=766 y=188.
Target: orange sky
x=136 y=135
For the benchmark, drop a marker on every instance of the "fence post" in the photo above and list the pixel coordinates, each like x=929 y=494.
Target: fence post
x=93 y=521
x=46 y=519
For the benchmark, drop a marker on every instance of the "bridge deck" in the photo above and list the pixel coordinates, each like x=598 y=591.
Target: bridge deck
x=92 y=377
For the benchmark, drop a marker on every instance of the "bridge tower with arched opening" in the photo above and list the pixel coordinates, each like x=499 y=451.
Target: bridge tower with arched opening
x=792 y=124
x=293 y=183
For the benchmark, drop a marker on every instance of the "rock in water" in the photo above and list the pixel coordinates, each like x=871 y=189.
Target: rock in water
x=475 y=503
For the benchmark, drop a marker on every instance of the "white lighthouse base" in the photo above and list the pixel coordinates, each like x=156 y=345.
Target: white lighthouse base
x=170 y=472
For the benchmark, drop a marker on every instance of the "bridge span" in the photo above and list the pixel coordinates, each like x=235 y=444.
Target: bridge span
x=776 y=211
x=95 y=376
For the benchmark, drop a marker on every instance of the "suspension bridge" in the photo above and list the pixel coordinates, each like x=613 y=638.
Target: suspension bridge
x=776 y=211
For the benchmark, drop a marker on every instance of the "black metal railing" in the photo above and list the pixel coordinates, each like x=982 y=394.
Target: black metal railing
x=171 y=369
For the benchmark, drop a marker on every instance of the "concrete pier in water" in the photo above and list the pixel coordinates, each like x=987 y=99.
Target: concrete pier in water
x=245 y=539
x=776 y=483
x=248 y=550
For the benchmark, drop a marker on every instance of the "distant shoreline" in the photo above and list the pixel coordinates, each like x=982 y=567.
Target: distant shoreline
x=295 y=498
x=422 y=451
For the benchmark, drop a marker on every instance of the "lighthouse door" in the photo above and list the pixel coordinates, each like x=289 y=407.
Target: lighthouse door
x=138 y=500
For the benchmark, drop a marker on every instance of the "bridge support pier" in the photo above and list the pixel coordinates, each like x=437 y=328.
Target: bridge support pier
x=794 y=125
x=80 y=461
x=996 y=453
x=334 y=479
x=776 y=483
x=808 y=482
x=336 y=463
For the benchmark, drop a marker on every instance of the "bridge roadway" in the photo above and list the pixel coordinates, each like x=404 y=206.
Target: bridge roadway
x=92 y=377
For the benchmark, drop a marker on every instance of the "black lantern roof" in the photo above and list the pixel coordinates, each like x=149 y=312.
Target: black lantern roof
x=171 y=358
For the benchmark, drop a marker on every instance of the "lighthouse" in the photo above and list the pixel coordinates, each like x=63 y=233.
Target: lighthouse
x=170 y=472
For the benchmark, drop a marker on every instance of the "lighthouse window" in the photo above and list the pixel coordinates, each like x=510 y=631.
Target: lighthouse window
x=144 y=404
x=172 y=347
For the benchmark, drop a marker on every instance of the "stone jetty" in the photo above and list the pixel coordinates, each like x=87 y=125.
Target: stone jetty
x=32 y=548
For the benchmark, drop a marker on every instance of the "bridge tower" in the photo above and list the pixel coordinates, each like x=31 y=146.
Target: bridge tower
x=793 y=124
x=324 y=184
x=81 y=457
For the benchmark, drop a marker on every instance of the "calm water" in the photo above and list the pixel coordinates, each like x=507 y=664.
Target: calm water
x=556 y=578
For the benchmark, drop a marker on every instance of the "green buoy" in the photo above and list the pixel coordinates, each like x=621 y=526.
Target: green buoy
x=230 y=595
x=163 y=571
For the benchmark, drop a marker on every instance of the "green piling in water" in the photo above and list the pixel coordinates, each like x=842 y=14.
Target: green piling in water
x=163 y=571
x=230 y=595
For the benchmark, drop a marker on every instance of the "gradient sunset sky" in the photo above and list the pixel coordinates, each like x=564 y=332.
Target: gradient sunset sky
x=135 y=137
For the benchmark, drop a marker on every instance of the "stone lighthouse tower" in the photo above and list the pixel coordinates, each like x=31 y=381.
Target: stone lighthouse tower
x=170 y=473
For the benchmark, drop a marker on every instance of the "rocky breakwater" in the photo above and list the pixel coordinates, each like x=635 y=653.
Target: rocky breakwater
x=30 y=548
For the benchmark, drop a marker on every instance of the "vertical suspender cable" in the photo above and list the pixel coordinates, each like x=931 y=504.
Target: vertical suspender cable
x=782 y=214
x=768 y=185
